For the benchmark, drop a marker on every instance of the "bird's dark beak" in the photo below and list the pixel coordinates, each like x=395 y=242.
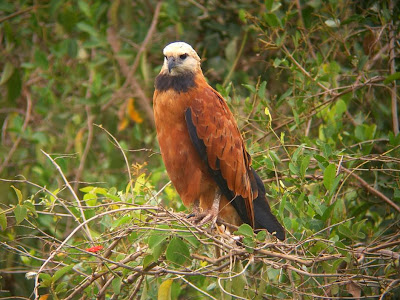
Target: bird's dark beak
x=171 y=64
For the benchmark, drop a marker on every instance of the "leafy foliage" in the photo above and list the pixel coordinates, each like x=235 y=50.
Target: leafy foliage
x=85 y=199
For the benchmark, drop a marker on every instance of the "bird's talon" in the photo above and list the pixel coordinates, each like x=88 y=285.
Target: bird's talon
x=201 y=219
x=190 y=216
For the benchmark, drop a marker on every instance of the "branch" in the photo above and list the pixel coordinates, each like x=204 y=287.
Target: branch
x=304 y=71
x=78 y=202
x=20 y=12
x=392 y=56
x=128 y=71
x=55 y=252
x=122 y=151
x=372 y=190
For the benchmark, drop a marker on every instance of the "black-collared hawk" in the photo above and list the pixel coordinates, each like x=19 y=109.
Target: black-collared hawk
x=202 y=147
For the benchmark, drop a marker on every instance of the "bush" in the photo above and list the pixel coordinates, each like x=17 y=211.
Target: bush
x=86 y=206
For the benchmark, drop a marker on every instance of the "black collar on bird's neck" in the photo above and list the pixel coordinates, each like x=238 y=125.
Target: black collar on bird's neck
x=179 y=83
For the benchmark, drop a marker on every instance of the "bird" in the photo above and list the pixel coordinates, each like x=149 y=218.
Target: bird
x=202 y=148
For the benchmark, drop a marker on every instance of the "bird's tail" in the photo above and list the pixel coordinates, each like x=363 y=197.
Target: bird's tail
x=263 y=217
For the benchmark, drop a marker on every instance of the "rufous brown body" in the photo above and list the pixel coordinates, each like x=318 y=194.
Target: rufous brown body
x=202 y=147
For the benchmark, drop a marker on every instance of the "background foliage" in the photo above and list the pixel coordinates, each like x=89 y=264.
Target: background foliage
x=83 y=188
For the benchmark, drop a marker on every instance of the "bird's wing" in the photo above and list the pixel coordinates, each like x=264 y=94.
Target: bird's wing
x=216 y=137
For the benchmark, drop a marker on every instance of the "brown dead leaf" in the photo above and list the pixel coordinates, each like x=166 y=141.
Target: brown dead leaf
x=354 y=289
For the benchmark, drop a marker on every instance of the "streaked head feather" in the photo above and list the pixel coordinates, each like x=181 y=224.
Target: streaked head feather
x=175 y=51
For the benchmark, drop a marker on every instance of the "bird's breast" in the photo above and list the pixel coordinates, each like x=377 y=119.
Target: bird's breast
x=181 y=159
x=172 y=132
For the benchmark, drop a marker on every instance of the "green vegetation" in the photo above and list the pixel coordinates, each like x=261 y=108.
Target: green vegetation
x=85 y=205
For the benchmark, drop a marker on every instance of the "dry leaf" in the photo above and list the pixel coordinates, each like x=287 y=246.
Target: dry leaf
x=354 y=289
x=133 y=113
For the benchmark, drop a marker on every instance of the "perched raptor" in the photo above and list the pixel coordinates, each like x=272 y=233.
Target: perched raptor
x=202 y=147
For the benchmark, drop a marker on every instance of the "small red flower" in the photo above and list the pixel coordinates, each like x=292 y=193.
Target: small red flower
x=94 y=249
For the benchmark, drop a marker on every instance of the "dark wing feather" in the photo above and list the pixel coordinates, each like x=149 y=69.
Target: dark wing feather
x=214 y=133
x=262 y=212
x=215 y=125
x=237 y=202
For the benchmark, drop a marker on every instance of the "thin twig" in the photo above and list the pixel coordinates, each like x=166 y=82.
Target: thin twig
x=144 y=44
x=372 y=190
x=288 y=54
x=392 y=56
x=307 y=36
x=131 y=81
x=55 y=252
x=228 y=77
x=20 y=12
x=78 y=202
x=120 y=148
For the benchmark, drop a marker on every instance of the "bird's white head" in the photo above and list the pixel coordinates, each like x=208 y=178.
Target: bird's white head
x=180 y=58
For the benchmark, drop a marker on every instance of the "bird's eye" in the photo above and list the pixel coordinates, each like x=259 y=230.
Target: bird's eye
x=183 y=56
x=165 y=57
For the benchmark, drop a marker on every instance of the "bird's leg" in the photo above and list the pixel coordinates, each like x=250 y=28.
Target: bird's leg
x=196 y=209
x=211 y=214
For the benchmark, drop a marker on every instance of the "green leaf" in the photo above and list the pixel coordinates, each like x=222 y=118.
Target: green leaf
x=84 y=7
x=72 y=47
x=268 y=4
x=90 y=199
x=341 y=108
x=251 y=88
x=277 y=62
x=249 y=244
x=158 y=250
x=7 y=72
x=60 y=273
x=157 y=237
x=20 y=212
x=327 y=213
x=242 y=15
x=343 y=229
x=19 y=194
x=3 y=220
x=177 y=252
x=188 y=236
x=121 y=221
x=329 y=176
x=261 y=90
x=245 y=229
x=62 y=287
x=272 y=20
x=274 y=156
x=388 y=79
x=261 y=235
x=116 y=285
x=322 y=162
x=305 y=162
x=297 y=153
x=293 y=169
x=29 y=205
x=41 y=60
x=239 y=283
x=88 y=29
x=147 y=260
x=46 y=280
x=231 y=50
